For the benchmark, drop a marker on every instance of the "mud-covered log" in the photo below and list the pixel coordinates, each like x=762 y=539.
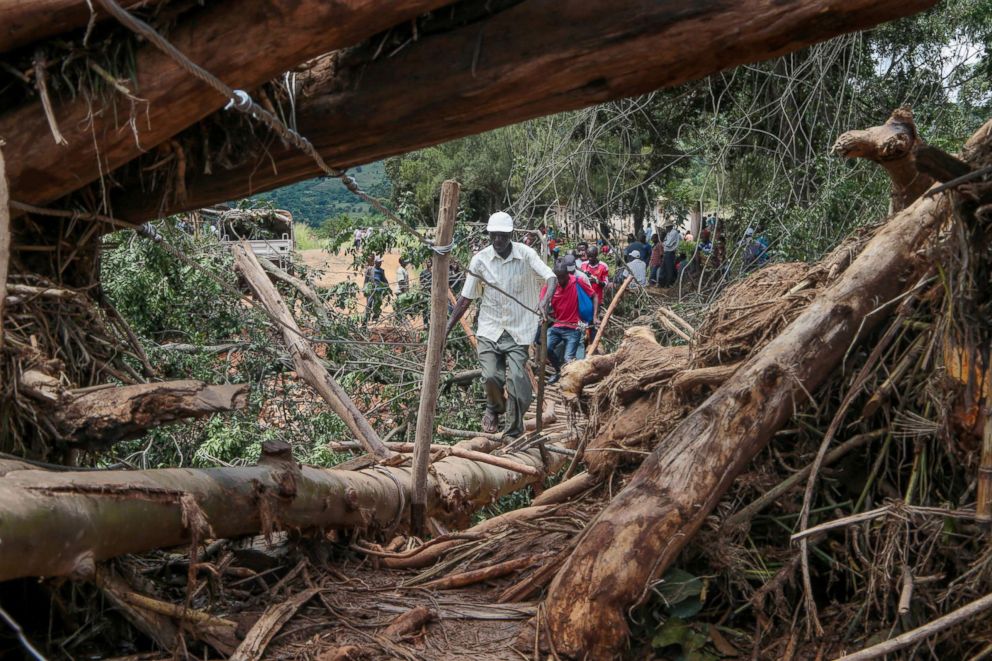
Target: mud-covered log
x=531 y=59
x=641 y=532
x=892 y=145
x=58 y=524
x=225 y=38
x=98 y=418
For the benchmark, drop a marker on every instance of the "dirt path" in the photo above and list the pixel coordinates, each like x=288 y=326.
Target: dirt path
x=337 y=268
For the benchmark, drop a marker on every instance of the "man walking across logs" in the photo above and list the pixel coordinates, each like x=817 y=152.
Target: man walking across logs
x=506 y=326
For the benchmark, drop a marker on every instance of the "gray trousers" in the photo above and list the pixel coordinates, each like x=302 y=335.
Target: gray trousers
x=504 y=363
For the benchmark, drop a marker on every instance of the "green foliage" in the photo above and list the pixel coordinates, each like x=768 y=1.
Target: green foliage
x=306 y=237
x=313 y=201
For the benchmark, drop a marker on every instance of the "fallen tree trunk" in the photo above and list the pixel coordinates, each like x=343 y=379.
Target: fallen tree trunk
x=534 y=58
x=98 y=418
x=25 y=21
x=640 y=533
x=224 y=38
x=57 y=524
x=308 y=365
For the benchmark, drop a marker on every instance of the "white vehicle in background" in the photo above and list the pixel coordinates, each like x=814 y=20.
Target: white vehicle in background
x=268 y=231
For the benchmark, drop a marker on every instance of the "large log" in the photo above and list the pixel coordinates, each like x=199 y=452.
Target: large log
x=56 y=524
x=225 y=38
x=534 y=58
x=641 y=532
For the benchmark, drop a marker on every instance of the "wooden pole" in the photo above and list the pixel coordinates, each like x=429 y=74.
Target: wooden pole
x=432 y=364
x=4 y=239
x=983 y=506
x=606 y=317
x=306 y=362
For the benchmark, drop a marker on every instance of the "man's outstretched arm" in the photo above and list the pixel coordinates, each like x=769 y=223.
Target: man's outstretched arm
x=461 y=305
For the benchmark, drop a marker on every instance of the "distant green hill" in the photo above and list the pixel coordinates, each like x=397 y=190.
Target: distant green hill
x=313 y=201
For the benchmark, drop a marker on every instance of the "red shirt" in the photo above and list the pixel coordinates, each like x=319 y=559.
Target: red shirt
x=565 y=302
x=602 y=273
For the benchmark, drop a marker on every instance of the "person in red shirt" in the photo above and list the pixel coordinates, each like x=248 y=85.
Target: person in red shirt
x=598 y=272
x=567 y=328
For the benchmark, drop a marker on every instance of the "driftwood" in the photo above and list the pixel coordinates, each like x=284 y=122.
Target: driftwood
x=63 y=523
x=96 y=418
x=308 y=366
x=408 y=623
x=892 y=145
x=452 y=451
x=253 y=646
x=606 y=316
x=921 y=633
x=639 y=534
x=531 y=59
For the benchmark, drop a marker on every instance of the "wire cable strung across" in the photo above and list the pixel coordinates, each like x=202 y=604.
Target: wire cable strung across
x=242 y=101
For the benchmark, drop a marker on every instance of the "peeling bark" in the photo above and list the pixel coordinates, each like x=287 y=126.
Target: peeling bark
x=98 y=418
x=224 y=38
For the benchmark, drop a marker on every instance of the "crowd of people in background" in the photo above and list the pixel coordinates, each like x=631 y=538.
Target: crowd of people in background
x=656 y=256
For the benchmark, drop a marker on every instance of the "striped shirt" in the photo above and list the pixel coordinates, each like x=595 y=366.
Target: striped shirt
x=521 y=274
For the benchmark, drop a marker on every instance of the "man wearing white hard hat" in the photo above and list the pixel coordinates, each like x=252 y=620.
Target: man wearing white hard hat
x=506 y=326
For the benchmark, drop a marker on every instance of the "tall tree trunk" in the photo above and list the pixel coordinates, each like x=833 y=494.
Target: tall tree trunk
x=640 y=533
x=55 y=524
x=534 y=58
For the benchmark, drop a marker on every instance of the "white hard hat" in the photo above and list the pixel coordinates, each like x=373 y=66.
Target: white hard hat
x=636 y=254
x=500 y=222
x=749 y=231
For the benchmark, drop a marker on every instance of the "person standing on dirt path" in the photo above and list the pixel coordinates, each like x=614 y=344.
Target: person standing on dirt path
x=376 y=288
x=506 y=328
x=671 y=244
x=402 y=277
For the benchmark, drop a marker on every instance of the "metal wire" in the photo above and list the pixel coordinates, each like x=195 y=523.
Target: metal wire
x=240 y=100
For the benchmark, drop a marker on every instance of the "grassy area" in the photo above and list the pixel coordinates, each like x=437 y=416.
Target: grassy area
x=306 y=238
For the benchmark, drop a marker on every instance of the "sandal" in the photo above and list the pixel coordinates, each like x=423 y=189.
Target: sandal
x=490 y=423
